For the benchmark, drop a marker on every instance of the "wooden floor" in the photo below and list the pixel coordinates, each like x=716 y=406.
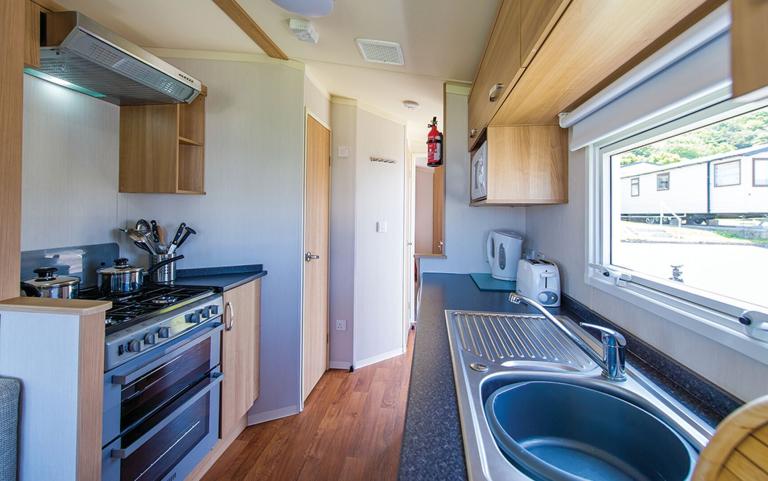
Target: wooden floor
x=351 y=429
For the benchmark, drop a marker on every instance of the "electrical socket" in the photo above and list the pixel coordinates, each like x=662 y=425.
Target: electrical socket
x=341 y=325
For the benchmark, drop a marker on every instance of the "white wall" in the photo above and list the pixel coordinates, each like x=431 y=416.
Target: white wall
x=424 y=200
x=252 y=212
x=69 y=168
x=466 y=228
x=738 y=374
x=317 y=101
x=379 y=277
x=342 y=268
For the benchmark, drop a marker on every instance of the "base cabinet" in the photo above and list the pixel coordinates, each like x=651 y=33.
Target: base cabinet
x=240 y=353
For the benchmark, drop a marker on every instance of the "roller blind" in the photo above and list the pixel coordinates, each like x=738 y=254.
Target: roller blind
x=694 y=66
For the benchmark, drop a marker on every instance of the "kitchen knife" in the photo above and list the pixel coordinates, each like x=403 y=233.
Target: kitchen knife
x=187 y=232
x=155 y=235
x=179 y=231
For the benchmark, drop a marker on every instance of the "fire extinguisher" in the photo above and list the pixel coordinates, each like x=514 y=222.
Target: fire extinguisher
x=434 y=145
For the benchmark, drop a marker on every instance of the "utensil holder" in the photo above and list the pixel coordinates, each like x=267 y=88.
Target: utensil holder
x=165 y=274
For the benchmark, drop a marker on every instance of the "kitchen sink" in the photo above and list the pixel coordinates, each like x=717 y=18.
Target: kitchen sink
x=534 y=407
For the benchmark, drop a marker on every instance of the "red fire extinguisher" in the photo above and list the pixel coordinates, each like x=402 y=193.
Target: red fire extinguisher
x=434 y=145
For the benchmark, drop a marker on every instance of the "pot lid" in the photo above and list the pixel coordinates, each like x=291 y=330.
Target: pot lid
x=120 y=266
x=46 y=277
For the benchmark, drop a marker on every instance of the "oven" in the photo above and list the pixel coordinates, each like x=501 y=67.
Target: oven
x=161 y=409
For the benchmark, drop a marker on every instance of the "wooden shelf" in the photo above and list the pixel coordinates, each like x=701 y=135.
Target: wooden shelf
x=162 y=148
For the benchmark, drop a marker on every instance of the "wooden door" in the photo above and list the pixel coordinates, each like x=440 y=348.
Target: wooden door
x=316 y=249
x=240 y=354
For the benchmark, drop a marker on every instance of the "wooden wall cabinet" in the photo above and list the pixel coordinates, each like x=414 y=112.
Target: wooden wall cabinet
x=526 y=165
x=162 y=148
x=32 y=16
x=749 y=57
x=499 y=69
x=240 y=354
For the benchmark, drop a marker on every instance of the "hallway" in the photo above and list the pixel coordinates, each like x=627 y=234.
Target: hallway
x=351 y=429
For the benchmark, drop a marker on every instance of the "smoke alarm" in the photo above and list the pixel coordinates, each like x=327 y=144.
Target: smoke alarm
x=380 y=51
x=304 y=30
x=411 y=104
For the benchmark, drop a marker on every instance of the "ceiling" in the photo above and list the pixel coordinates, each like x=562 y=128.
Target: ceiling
x=441 y=40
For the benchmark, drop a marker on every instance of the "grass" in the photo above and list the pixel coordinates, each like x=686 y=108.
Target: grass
x=734 y=234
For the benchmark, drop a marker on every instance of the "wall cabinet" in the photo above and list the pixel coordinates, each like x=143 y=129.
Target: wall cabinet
x=526 y=165
x=749 y=58
x=32 y=16
x=499 y=69
x=240 y=354
x=162 y=148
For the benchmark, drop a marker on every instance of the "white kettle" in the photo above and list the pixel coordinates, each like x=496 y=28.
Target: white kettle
x=504 y=248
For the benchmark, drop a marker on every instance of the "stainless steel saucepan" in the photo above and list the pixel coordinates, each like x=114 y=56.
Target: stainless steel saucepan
x=123 y=278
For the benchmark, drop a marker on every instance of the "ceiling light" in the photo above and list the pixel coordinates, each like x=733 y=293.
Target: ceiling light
x=411 y=104
x=307 y=8
x=380 y=51
x=304 y=30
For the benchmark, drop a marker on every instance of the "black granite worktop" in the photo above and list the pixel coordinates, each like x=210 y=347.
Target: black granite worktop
x=432 y=447
x=220 y=278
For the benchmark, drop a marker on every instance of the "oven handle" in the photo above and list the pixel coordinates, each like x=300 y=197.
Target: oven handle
x=126 y=379
x=216 y=378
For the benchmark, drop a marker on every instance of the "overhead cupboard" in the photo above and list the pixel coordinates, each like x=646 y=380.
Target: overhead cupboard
x=544 y=58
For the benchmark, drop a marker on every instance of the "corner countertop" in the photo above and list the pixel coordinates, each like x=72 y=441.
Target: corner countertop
x=220 y=278
x=432 y=446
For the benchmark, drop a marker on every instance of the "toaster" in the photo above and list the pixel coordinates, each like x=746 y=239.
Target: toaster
x=539 y=280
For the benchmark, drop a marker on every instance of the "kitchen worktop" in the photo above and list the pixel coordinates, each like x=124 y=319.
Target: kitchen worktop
x=220 y=278
x=432 y=446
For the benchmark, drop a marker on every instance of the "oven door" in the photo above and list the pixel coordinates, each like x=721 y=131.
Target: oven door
x=172 y=441
x=161 y=409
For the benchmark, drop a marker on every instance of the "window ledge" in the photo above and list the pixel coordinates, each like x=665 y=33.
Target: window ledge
x=698 y=319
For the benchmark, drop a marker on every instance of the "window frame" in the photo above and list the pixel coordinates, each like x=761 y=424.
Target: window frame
x=717 y=164
x=659 y=176
x=634 y=182
x=755 y=160
x=713 y=316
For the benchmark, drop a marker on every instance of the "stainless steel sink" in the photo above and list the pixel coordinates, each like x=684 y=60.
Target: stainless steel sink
x=533 y=406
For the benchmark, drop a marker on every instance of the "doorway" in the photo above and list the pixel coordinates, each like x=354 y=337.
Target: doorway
x=316 y=252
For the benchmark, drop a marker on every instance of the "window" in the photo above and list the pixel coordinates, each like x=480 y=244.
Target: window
x=760 y=172
x=728 y=173
x=662 y=181
x=682 y=253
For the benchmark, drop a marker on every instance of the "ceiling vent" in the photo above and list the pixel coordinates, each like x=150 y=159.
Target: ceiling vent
x=381 y=51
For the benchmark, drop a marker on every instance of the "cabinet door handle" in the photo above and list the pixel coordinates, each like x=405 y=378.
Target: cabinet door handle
x=493 y=94
x=473 y=133
x=229 y=308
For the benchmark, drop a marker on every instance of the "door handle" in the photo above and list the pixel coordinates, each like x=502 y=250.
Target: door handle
x=309 y=256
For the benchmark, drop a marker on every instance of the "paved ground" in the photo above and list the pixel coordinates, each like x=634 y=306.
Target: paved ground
x=731 y=267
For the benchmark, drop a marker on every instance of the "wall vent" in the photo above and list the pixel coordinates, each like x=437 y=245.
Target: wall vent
x=380 y=51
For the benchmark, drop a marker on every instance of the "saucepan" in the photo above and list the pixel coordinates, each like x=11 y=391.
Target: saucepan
x=123 y=278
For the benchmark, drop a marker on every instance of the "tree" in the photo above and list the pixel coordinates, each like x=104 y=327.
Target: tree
x=736 y=133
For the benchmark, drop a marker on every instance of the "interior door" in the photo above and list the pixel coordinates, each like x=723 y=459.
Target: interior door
x=316 y=250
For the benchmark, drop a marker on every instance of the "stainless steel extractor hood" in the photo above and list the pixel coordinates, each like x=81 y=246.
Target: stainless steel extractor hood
x=81 y=54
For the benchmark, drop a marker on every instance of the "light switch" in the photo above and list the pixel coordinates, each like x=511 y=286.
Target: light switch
x=381 y=226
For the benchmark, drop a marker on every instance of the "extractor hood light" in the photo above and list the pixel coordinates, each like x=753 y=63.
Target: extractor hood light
x=63 y=83
x=307 y=8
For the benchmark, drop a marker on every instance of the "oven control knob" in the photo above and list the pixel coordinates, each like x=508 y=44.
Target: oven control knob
x=202 y=313
x=164 y=332
x=214 y=309
x=207 y=311
x=134 y=346
x=192 y=317
x=149 y=339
